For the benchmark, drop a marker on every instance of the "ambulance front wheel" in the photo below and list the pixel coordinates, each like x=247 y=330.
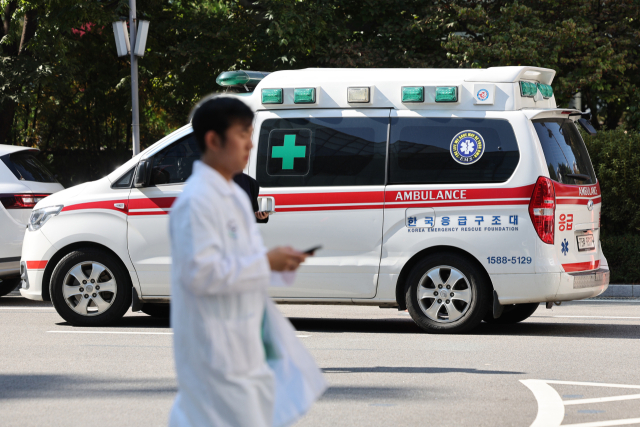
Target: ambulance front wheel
x=447 y=293
x=90 y=287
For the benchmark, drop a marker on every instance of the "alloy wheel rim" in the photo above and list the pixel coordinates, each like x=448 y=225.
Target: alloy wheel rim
x=89 y=288
x=444 y=294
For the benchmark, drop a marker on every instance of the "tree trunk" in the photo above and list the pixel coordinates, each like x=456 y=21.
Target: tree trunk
x=7 y=112
x=592 y=103
x=28 y=29
x=614 y=114
x=8 y=106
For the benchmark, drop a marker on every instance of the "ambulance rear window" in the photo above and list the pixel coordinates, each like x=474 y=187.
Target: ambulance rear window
x=322 y=151
x=451 y=150
x=564 y=151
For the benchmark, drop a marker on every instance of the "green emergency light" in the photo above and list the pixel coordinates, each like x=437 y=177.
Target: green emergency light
x=528 y=89
x=413 y=94
x=272 y=96
x=545 y=90
x=447 y=94
x=304 y=95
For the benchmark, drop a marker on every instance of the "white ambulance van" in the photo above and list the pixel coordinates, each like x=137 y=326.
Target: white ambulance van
x=461 y=195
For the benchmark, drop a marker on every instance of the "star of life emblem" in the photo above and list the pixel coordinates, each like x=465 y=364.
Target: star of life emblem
x=565 y=247
x=467 y=147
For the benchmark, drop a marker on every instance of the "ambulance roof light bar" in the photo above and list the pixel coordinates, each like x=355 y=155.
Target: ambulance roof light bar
x=241 y=78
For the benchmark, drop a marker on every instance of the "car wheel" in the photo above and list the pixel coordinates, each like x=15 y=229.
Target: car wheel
x=8 y=285
x=90 y=287
x=161 y=310
x=447 y=293
x=513 y=313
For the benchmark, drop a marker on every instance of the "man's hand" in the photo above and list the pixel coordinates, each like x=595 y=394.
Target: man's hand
x=285 y=259
x=262 y=215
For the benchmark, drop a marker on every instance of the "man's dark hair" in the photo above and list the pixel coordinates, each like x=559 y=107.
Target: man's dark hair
x=218 y=114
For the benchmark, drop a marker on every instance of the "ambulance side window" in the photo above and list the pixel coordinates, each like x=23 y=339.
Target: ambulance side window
x=421 y=150
x=174 y=164
x=322 y=152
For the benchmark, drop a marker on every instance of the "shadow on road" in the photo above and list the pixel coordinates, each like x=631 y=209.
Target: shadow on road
x=342 y=393
x=407 y=326
x=80 y=386
x=413 y=370
x=18 y=301
x=133 y=321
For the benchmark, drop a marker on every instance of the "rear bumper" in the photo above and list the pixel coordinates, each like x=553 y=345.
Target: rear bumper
x=582 y=285
x=9 y=267
x=545 y=287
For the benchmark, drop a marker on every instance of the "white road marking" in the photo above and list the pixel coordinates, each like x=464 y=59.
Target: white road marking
x=601 y=399
x=591 y=384
x=598 y=317
x=113 y=332
x=26 y=308
x=618 y=301
x=551 y=406
x=303 y=336
x=606 y=423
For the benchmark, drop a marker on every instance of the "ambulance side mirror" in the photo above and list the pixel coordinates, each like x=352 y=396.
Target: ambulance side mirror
x=587 y=126
x=143 y=174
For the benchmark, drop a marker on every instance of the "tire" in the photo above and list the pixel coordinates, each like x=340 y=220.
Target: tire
x=471 y=294
x=8 y=285
x=90 y=287
x=159 y=310
x=513 y=313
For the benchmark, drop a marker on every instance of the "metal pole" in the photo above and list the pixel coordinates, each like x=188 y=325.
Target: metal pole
x=135 y=124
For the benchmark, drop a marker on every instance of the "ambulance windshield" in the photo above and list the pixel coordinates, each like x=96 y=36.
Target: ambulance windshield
x=565 y=152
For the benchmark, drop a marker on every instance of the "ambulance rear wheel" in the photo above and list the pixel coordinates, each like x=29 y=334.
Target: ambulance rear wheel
x=447 y=294
x=90 y=287
x=513 y=313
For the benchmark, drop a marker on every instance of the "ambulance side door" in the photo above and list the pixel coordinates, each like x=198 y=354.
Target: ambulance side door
x=325 y=170
x=149 y=207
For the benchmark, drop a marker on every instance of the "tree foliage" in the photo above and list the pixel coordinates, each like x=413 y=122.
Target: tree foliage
x=63 y=89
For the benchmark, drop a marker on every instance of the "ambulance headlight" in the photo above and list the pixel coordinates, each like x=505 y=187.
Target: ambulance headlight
x=40 y=216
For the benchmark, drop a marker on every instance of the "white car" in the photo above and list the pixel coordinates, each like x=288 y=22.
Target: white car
x=24 y=181
x=461 y=195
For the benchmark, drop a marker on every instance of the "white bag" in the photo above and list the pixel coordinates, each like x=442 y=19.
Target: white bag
x=299 y=381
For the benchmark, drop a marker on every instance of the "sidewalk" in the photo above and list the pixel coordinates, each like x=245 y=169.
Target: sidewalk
x=621 y=291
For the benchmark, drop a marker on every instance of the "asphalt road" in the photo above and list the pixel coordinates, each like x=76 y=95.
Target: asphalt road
x=382 y=369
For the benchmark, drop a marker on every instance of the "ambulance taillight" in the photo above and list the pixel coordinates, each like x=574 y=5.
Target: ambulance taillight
x=542 y=209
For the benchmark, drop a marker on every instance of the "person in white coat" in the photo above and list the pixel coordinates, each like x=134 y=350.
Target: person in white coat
x=238 y=361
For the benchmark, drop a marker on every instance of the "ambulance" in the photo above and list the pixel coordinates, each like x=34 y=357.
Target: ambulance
x=460 y=195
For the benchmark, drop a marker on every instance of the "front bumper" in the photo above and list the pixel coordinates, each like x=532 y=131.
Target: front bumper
x=36 y=251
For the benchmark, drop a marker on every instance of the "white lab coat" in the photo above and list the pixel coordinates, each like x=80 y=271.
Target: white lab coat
x=223 y=320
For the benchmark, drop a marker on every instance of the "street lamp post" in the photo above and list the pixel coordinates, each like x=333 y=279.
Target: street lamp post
x=135 y=112
x=132 y=44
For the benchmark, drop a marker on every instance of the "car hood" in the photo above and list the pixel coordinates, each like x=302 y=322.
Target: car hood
x=64 y=196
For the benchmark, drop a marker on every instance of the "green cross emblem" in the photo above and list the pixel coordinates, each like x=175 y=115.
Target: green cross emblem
x=288 y=152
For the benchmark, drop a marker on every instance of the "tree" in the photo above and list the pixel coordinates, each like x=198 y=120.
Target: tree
x=592 y=45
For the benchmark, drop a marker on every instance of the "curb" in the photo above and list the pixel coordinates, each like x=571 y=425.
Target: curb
x=615 y=290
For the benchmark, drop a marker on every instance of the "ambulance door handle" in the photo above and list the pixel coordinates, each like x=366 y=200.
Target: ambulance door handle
x=266 y=204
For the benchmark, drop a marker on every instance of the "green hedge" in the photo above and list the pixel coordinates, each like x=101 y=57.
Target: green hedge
x=623 y=256
x=615 y=155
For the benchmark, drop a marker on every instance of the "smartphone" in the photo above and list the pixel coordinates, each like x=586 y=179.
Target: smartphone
x=312 y=250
